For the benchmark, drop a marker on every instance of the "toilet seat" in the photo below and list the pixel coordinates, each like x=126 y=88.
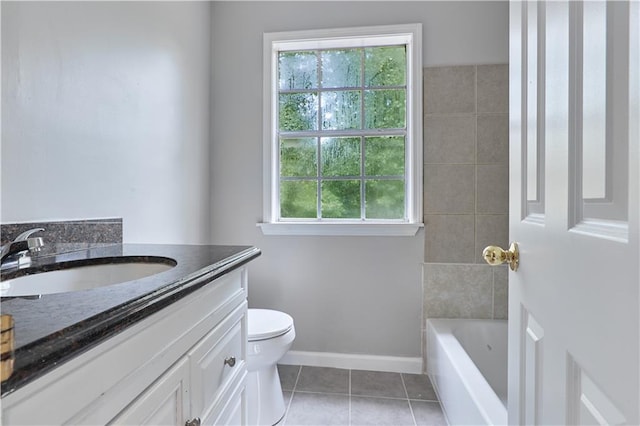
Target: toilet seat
x=266 y=324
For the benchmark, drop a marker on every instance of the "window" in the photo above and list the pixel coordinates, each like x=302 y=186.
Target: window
x=343 y=131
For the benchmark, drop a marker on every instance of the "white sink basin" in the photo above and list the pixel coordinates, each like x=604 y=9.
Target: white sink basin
x=79 y=278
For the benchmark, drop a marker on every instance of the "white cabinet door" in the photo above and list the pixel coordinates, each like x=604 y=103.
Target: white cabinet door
x=234 y=412
x=574 y=354
x=164 y=403
x=217 y=362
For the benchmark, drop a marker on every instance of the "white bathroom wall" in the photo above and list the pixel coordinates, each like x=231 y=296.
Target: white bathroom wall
x=358 y=295
x=105 y=113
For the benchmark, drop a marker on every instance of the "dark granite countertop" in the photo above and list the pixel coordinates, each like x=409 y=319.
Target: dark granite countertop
x=57 y=327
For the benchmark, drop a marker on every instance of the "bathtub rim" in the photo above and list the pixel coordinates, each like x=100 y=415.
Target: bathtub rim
x=489 y=405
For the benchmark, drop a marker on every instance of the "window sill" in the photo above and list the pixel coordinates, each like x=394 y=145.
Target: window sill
x=341 y=229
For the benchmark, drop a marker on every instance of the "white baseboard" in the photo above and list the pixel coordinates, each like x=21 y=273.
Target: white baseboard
x=394 y=364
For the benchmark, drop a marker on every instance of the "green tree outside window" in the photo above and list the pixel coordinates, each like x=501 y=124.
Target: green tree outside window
x=342 y=131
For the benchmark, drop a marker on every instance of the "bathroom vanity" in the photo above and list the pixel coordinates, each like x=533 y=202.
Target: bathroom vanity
x=169 y=348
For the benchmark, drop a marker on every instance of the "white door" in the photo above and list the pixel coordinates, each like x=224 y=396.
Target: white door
x=574 y=318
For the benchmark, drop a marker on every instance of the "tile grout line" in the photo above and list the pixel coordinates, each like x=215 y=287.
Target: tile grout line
x=493 y=294
x=404 y=386
x=475 y=186
x=349 y=419
x=293 y=391
x=391 y=398
x=327 y=393
x=295 y=384
x=406 y=397
x=349 y=391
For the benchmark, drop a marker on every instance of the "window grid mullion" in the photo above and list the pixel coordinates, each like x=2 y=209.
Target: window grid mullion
x=361 y=133
x=362 y=180
x=318 y=178
x=342 y=89
x=319 y=137
x=347 y=177
x=340 y=133
x=362 y=138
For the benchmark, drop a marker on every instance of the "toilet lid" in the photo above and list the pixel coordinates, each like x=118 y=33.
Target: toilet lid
x=265 y=323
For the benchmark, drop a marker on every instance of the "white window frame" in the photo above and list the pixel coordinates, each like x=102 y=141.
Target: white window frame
x=273 y=43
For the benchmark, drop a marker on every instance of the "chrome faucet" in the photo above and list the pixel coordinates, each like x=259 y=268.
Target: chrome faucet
x=20 y=248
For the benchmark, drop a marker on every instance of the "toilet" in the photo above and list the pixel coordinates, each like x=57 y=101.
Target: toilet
x=271 y=334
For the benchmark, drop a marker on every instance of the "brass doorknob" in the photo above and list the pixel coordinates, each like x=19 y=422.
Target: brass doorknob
x=496 y=256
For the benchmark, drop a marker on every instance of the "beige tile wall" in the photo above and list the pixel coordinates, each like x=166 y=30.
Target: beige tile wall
x=466 y=167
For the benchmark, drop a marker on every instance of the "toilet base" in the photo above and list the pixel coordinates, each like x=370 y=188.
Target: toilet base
x=263 y=387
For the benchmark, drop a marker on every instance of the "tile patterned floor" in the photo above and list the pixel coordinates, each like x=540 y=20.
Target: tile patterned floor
x=324 y=396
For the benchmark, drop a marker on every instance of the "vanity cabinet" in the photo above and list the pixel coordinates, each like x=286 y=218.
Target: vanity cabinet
x=164 y=403
x=183 y=365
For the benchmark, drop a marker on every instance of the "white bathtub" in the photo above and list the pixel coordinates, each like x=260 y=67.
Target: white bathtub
x=467 y=363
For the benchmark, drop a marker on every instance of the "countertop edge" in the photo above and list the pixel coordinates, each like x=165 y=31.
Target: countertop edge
x=80 y=338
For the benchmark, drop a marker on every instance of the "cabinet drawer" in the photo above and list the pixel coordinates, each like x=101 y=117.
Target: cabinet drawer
x=234 y=412
x=216 y=360
x=163 y=403
x=225 y=288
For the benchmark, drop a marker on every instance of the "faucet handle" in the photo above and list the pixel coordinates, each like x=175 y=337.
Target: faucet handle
x=21 y=247
x=35 y=244
x=26 y=234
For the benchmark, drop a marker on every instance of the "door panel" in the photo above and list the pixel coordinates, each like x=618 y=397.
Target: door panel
x=598 y=134
x=574 y=333
x=533 y=18
x=591 y=72
x=531 y=387
x=588 y=404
